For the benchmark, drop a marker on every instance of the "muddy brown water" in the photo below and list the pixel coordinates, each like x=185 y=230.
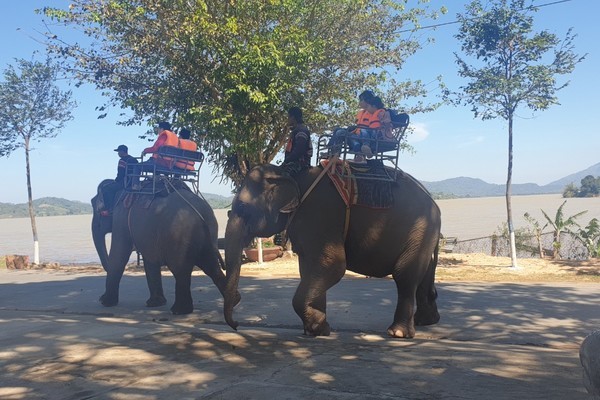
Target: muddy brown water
x=68 y=240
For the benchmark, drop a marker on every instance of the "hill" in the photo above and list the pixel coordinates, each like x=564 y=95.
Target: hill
x=54 y=206
x=45 y=207
x=472 y=187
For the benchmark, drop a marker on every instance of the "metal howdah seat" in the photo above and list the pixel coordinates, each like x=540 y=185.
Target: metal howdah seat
x=384 y=151
x=164 y=165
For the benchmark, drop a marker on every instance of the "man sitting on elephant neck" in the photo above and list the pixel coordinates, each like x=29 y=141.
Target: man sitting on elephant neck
x=299 y=150
x=109 y=192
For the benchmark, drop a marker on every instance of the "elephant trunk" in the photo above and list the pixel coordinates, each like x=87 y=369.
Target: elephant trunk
x=235 y=237
x=99 y=238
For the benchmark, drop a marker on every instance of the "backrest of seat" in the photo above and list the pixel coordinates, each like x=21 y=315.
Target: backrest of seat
x=400 y=123
x=177 y=154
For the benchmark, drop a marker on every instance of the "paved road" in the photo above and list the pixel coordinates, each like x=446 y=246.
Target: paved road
x=495 y=341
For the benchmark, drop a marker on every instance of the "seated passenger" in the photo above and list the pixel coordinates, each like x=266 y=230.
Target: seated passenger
x=165 y=138
x=367 y=120
x=186 y=144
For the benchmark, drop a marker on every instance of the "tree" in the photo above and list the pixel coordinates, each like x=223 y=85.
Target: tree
x=538 y=230
x=590 y=237
x=571 y=190
x=561 y=224
x=32 y=108
x=230 y=69
x=590 y=187
x=513 y=68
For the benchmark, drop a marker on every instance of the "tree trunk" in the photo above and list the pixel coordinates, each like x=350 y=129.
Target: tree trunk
x=36 y=249
x=511 y=228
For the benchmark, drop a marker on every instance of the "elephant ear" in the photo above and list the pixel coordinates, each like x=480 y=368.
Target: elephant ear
x=284 y=195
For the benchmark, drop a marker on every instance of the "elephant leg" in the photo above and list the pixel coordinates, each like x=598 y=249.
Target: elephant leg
x=117 y=259
x=154 y=280
x=404 y=324
x=310 y=299
x=427 y=311
x=183 y=295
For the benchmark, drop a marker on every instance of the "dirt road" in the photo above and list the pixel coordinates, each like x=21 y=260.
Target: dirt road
x=502 y=340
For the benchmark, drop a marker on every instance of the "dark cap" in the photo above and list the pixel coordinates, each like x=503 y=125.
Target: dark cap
x=122 y=147
x=164 y=125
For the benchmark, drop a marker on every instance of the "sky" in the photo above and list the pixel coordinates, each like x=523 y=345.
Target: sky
x=448 y=142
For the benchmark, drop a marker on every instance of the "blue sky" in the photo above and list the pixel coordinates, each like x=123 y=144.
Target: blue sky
x=449 y=142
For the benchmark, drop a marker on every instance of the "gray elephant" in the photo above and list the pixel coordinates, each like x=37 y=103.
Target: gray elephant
x=175 y=228
x=589 y=355
x=401 y=240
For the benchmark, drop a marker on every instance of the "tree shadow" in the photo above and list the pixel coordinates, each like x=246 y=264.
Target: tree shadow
x=500 y=341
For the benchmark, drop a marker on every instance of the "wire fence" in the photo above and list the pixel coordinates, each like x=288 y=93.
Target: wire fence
x=528 y=246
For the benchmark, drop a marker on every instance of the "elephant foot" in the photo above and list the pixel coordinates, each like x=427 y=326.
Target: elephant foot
x=401 y=331
x=109 y=301
x=428 y=317
x=182 y=309
x=318 y=329
x=156 y=301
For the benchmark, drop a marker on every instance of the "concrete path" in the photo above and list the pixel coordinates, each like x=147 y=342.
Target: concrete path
x=495 y=341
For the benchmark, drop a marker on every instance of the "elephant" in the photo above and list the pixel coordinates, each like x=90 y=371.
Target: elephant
x=175 y=228
x=101 y=224
x=402 y=240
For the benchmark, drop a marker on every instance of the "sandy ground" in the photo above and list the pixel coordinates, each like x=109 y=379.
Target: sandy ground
x=503 y=340
x=452 y=267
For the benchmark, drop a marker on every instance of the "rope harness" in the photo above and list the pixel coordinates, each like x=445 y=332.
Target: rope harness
x=329 y=166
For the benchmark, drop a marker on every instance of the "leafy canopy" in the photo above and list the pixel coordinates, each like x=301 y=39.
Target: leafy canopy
x=32 y=106
x=515 y=66
x=230 y=69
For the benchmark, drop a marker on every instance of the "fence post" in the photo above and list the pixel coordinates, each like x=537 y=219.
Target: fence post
x=494 y=245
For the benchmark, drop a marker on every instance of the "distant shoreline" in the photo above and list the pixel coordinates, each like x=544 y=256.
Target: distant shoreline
x=67 y=239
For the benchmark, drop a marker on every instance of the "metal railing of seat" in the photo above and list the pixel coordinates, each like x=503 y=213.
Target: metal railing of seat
x=169 y=162
x=384 y=151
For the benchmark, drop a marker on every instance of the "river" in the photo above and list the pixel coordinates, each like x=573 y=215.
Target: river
x=68 y=240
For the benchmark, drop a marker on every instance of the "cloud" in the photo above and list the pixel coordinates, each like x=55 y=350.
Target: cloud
x=419 y=132
x=471 y=142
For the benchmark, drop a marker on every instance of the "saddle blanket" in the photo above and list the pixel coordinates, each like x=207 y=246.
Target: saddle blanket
x=357 y=190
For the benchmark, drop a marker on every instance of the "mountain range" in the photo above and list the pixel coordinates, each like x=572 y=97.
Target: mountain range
x=472 y=187
x=455 y=187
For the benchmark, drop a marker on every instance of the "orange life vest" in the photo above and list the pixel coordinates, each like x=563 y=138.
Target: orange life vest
x=171 y=140
x=366 y=120
x=186 y=144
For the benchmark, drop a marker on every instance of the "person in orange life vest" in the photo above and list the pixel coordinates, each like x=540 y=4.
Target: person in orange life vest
x=110 y=191
x=299 y=149
x=166 y=137
x=186 y=144
x=363 y=121
x=370 y=125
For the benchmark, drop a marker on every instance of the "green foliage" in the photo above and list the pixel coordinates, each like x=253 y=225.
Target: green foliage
x=229 y=70
x=537 y=230
x=590 y=187
x=32 y=107
x=522 y=236
x=571 y=190
x=561 y=224
x=590 y=237
x=513 y=67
